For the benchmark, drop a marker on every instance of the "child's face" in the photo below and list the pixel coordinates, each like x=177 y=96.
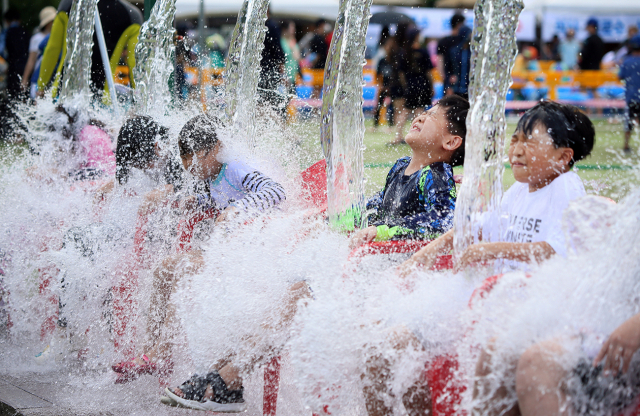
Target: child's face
x=203 y=164
x=429 y=131
x=535 y=159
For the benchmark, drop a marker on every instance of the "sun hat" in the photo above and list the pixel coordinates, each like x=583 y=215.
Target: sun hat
x=47 y=15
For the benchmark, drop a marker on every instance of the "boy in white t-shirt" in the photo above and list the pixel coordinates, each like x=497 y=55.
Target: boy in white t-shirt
x=548 y=140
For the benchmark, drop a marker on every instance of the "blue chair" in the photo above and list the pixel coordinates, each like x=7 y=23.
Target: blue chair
x=369 y=93
x=438 y=91
x=304 y=91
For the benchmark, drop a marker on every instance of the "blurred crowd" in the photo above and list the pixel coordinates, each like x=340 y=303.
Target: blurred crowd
x=568 y=53
x=403 y=60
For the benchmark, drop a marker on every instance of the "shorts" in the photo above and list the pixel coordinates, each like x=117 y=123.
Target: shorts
x=593 y=393
x=631 y=113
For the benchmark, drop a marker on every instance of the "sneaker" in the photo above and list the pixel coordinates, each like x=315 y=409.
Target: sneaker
x=193 y=391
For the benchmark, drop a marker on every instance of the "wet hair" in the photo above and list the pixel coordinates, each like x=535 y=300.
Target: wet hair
x=76 y=121
x=566 y=124
x=456 y=109
x=457 y=19
x=200 y=133
x=136 y=145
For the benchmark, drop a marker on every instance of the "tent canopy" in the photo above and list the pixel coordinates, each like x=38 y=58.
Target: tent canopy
x=584 y=6
x=315 y=9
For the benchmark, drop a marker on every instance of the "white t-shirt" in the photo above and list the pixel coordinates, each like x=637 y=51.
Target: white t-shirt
x=531 y=217
x=35 y=42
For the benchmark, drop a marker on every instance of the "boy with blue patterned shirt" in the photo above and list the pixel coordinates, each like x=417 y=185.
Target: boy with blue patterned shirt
x=419 y=196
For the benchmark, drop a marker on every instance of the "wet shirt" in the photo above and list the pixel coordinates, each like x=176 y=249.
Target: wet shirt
x=416 y=206
x=630 y=74
x=531 y=217
x=243 y=187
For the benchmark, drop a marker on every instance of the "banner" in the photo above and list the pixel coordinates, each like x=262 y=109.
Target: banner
x=612 y=28
x=435 y=23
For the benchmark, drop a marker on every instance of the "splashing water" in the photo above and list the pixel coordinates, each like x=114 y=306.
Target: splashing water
x=77 y=63
x=342 y=128
x=494 y=52
x=242 y=68
x=154 y=59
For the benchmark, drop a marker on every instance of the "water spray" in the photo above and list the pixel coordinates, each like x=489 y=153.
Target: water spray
x=342 y=124
x=494 y=49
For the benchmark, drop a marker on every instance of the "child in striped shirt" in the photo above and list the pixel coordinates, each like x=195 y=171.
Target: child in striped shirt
x=232 y=187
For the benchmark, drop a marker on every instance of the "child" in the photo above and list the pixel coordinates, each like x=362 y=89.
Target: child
x=608 y=385
x=548 y=140
x=419 y=196
x=233 y=188
x=630 y=74
x=139 y=142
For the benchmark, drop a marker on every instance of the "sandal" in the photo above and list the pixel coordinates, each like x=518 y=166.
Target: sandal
x=194 y=390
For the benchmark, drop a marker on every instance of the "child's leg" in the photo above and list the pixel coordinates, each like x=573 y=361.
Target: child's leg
x=165 y=279
x=416 y=400
x=539 y=381
x=490 y=392
x=256 y=348
x=400 y=114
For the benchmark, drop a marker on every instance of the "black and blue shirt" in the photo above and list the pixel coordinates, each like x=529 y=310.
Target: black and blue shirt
x=416 y=206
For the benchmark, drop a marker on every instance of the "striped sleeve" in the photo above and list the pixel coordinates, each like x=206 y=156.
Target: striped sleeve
x=262 y=193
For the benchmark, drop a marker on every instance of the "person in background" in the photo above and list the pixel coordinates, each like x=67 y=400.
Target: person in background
x=35 y=52
x=527 y=60
x=569 y=50
x=318 y=46
x=380 y=52
x=120 y=22
x=550 y=50
x=16 y=51
x=630 y=74
x=388 y=68
x=291 y=53
x=445 y=66
x=271 y=67
x=461 y=57
x=383 y=70
x=592 y=48
x=416 y=71
x=613 y=59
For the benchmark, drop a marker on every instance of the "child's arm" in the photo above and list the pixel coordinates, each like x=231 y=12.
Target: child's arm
x=427 y=255
x=262 y=193
x=620 y=347
x=522 y=252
